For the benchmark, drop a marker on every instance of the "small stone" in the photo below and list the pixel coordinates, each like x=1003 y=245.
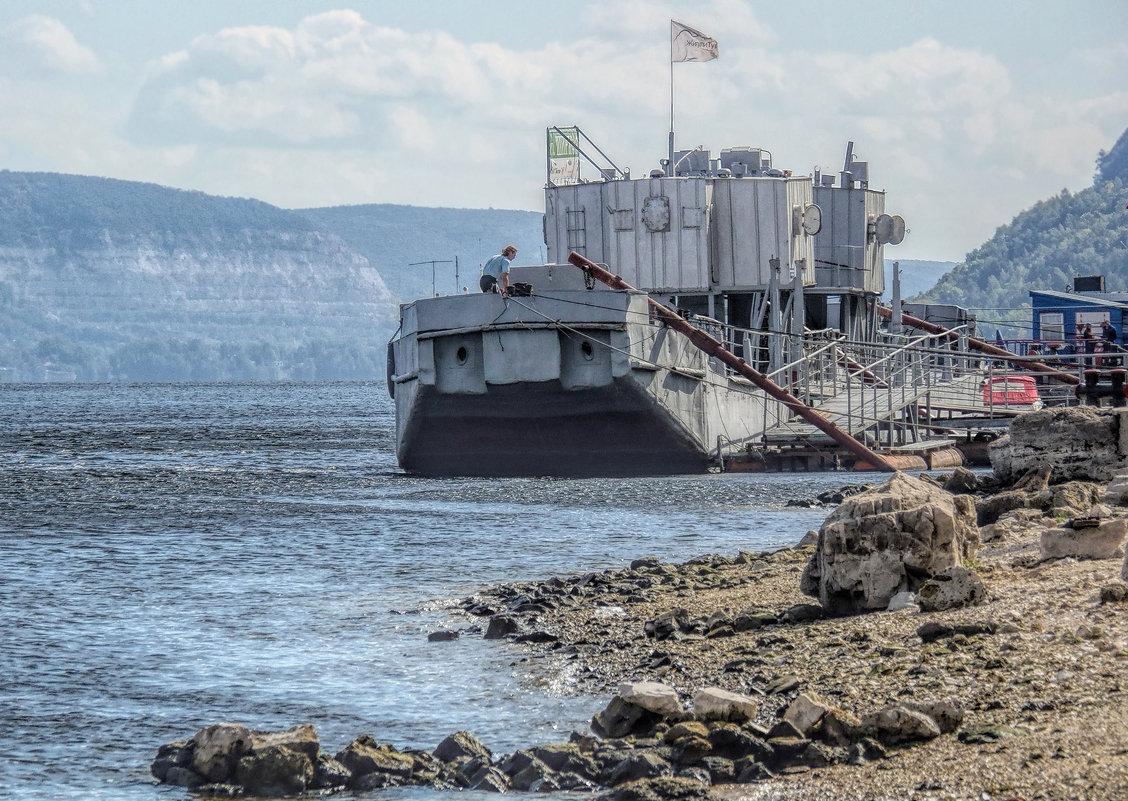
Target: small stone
x=990 y=733
x=801 y=613
x=783 y=685
x=500 y=626
x=933 y=630
x=1114 y=593
x=901 y=601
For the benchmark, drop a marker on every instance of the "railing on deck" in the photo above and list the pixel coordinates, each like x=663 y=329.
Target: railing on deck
x=899 y=387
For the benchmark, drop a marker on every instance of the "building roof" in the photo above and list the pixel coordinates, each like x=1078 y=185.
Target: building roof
x=1105 y=299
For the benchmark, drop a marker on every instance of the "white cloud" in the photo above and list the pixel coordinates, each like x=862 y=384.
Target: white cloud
x=335 y=109
x=334 y=79
x=1112 y=60
x=35 y=45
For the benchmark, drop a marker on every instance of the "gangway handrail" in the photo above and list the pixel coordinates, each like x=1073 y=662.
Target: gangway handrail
x=804 y=358
x=711 y=347
x=978 y=344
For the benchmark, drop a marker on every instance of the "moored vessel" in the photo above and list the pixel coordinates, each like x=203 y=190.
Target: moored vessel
x=783 y=271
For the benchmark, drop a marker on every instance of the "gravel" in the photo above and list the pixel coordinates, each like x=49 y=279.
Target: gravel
x=1040 y=668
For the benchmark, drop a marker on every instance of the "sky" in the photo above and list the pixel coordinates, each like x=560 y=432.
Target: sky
x=968 y=111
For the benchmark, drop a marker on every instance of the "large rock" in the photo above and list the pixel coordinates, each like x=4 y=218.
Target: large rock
x=962 y=482
x=301 y=738
x=640 y=765
x=490 y=779
x=274 y=770
x=525 y=771
x=567 y=758
x=1116 y=492
x=1077 y=442
x=460 y=747
x=946 y=713
x=364 y=757
x=805 y=712
x=218 y=749
x=713 y=703
x=666 y=788
x=898 y=724
x=260 y=763
x=991 y=509
x=888 y=540
x=1072 y=497
x=652 y=696
x=1092 y=542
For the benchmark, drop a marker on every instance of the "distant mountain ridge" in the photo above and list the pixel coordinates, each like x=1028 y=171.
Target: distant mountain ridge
x=1045 y=247
x=103 y=279
x=917 y=276
x=400 y=241
x=116 y=280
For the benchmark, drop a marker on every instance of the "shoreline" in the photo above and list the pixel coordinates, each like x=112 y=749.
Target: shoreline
x=1040 y=668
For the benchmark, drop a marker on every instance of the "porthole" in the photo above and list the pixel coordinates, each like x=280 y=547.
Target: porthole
x=586 y=350
x=462 y=355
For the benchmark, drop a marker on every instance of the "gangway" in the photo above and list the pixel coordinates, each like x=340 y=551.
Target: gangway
x=878 y=399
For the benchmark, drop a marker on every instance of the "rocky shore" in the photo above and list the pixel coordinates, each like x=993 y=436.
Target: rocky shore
x=938 y=638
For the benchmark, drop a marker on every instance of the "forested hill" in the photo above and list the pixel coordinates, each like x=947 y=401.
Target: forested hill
x=116 y=280
x=1045 y=247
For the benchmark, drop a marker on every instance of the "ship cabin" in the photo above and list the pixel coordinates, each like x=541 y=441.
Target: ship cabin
x=1059 y=318
x=731 y=237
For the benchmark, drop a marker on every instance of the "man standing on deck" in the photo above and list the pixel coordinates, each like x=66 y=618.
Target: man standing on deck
x=1108 y=334
x=496 y=271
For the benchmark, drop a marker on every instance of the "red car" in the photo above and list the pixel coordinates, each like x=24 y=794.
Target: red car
x=1011 y=391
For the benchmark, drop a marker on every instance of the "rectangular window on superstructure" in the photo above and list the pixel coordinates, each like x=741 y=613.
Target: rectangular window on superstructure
x=1093 y=318
x=1052 y=325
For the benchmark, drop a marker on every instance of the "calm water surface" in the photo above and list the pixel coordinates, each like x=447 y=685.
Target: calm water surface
x=177 y=555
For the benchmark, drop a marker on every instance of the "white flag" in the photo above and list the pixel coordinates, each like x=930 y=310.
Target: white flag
x=687 y=44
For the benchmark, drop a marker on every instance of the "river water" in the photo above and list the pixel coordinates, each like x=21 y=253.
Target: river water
x=176 y=555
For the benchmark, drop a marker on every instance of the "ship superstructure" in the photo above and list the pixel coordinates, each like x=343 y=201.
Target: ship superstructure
x=568 y=377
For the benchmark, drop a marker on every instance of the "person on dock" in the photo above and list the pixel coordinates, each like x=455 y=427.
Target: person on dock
x=1111 y=345
x=495 y=273
x=1090 y=341
x=1108 y=334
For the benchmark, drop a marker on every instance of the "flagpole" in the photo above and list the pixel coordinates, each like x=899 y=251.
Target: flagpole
x=670 y=167
x=699 y=47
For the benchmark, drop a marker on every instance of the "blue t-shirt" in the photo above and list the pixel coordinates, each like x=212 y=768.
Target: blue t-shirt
x=496 y=266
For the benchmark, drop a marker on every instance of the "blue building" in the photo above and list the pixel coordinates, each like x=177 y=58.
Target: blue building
x=1057 y=316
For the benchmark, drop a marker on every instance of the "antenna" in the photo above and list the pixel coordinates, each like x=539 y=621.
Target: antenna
x=433 y=262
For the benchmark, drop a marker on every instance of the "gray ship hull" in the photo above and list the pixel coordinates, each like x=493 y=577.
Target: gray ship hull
x=541 y=429
x=576 y=383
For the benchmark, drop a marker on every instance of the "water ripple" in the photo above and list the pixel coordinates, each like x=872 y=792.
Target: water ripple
x=176 y=555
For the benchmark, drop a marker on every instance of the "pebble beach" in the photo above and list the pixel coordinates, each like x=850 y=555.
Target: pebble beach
x=1039 y=669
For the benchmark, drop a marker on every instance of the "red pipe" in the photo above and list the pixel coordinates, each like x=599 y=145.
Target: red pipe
x=981 y=346
x=713 y=347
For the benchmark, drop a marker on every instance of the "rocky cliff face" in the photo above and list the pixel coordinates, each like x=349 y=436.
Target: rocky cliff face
x=105 y=280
